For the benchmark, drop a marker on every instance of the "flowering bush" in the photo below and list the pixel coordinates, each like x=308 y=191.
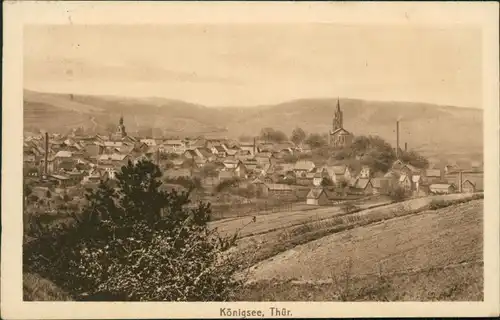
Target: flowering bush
x=136 y=243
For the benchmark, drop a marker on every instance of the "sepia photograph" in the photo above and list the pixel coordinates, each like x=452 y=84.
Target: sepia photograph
x=268 y=160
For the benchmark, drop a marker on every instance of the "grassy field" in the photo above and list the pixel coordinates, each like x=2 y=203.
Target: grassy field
x=432 y=255
x=315 y=259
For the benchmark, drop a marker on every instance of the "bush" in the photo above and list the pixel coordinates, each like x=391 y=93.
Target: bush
x=226 y=184
x=438 y=204
x=188 y=183
x=349 y=207
x=136 y=243
x=398 y=194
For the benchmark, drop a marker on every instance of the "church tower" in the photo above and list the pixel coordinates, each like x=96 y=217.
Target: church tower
x=121 y=129
x=338 y=121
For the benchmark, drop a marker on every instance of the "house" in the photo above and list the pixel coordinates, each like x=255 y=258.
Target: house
x=75 y=176
x=242 y=154
x=365 y=172
x=110 y=169
x=405 y=182
x=317 y=197
x=249 y=147
x=219 y=151
x=173 y=146
x=416 y=182
x=233 y=152
x=303 y=166
x=341 y=172
x=240 y=171
x=177 y=163
x=441 y=188
x=149 y=142
x=31 y=172
x=472 y=184
x=190 y=154
x=204 y=153
x=278 y=189
x=62 y=181
x=468 y=186
x=94 y=176
x=140 y=147
x=318 y=178
x=94 y=149
x=226 y=175
x=200 y=163
x=231 y=163
x=196 y=143
x=63 y=155
x=433 y=176
x=362 y=186
x=115 y=158
x=29 y=156
x=397 y=165
x=210 y=143
x=264 y=158
x=112 y=144
x=250 y=164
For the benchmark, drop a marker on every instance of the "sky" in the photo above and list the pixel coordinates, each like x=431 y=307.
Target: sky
x=257 y=64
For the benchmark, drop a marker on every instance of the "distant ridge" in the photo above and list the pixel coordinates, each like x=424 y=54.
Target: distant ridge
x=430 y=128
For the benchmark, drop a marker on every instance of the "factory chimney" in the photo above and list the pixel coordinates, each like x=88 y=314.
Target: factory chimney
x=46 y=165
x=397 y=139
x=460 y=181
x=254 y=146
x=406 y=146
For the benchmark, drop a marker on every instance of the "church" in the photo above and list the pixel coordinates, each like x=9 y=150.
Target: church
x=121 y=133
x=339 y=137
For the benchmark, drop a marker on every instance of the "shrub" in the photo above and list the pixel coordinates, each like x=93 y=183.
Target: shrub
x=349 y=207
x=438 y=204
x=398 y=194
x=226 y=184
x=136 y=243
x=188 y=183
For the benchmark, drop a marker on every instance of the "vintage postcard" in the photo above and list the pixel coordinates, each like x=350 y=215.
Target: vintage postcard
x=250 y=160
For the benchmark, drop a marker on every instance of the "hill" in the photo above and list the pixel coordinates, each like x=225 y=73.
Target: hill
x=425 y=127
x=433 y=255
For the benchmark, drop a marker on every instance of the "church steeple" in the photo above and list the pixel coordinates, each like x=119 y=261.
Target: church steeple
x=338 y=119
x=121 y=128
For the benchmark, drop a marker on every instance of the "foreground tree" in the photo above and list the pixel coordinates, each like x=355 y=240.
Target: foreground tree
x=136 y=243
